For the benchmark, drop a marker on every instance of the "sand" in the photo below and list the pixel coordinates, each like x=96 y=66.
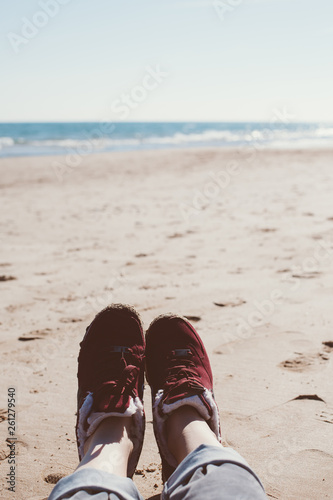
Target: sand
x=242 y=242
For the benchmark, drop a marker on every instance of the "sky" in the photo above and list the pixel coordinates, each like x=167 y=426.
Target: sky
x=155 y=60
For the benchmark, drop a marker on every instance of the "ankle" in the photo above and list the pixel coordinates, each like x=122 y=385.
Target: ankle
x=112 y=430
x=109 y=447
x=186 y=430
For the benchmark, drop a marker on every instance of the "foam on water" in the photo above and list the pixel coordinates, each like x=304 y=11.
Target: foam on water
x=17 y=139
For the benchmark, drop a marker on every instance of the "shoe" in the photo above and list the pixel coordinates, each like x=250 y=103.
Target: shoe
x=111 y=375
x=179 y=373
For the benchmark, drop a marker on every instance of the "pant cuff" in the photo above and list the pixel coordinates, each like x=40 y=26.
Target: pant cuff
x=200 y=457
x=95 y=481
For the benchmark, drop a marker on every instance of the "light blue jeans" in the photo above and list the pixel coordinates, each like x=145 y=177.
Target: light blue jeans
x=208 y=472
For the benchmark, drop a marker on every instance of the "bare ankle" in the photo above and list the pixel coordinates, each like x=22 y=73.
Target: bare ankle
x=110 y=446
x=186 y=430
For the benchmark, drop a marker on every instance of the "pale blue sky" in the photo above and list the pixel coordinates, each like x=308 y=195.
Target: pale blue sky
x=261 y=55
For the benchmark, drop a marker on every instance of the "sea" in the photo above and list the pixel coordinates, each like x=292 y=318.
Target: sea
x=31 y=139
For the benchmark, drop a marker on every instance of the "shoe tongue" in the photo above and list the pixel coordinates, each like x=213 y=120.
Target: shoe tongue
x=183 y=389
x=182 y=394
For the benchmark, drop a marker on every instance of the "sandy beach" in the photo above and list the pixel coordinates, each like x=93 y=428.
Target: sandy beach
x=240 y=242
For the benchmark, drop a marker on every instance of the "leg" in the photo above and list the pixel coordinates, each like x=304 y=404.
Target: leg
x=205 y=468
x=186 y=429
x=110 y=418
x=186 y=419
x=109 y=447
x=214 y=473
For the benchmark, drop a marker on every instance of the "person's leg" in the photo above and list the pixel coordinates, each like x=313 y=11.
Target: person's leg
x=214 y=473
x=186 y=419
x=103 y=468
x=109 y=447
x=110 y=417
x=205 y=467
x=186 y=430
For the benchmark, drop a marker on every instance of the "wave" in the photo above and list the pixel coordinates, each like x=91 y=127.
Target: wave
x=324 y=132
x=261 y=135
x=6 y=141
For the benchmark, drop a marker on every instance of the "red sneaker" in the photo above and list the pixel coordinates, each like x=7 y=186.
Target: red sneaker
x=111 y=375
x=179 y=374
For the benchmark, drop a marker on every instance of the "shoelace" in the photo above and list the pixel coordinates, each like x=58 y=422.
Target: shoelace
x=125 y=384
x=181 y=370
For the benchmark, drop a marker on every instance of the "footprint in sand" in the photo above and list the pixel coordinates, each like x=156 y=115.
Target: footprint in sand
x=193 y=318
x=175 y=235
x=299 y=363
x=34 y=335
x=310 y=397
x=7 y=278
x=267 y=229
x=69 y=298
x=328 y=346
x=231 y=303
x=303 y=361
x=54 y=477
x=306 y=275
x=27 y=338
x=70 y=320
x=4 y=453
x=239 y=270
x=326 y=416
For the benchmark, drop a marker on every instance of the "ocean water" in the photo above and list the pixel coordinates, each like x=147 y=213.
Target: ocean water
x=26 y=139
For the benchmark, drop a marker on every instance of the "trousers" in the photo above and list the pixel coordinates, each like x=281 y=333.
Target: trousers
x=208 y=472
